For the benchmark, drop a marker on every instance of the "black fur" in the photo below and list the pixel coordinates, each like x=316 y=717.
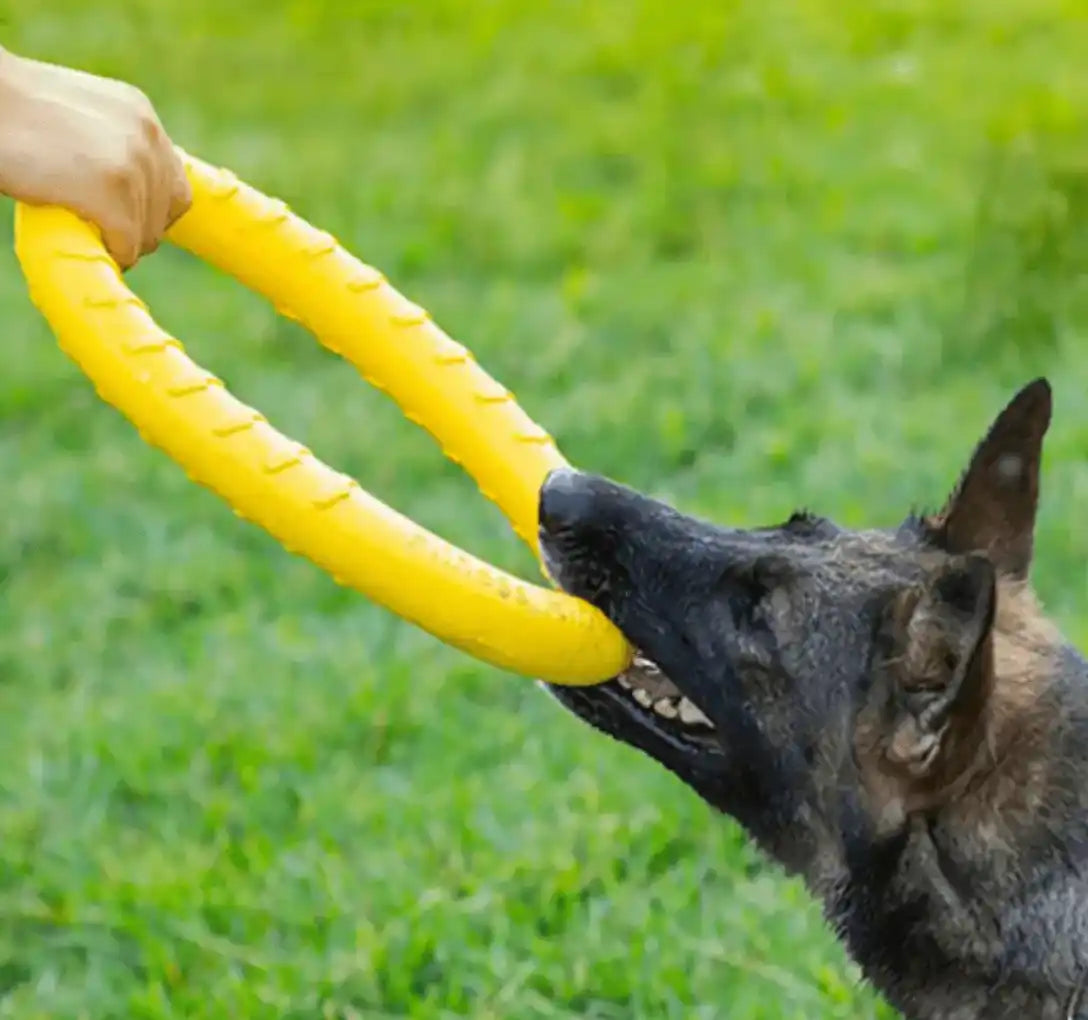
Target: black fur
x=892 y=717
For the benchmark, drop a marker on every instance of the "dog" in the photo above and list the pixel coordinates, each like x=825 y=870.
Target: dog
x=887 y=713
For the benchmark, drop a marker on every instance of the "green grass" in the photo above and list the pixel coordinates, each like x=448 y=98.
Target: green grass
x=745 y=255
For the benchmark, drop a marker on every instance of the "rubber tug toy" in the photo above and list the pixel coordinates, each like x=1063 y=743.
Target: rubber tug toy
x=273 y=481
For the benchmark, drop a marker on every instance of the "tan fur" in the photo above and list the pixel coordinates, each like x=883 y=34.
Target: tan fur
x=1000 y=766
x=1008 y=779
x=1024 y=645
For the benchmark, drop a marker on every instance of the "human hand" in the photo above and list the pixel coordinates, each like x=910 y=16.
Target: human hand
x=92 y=145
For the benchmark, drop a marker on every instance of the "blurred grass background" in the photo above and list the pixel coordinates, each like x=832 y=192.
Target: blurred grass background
x=742 y=255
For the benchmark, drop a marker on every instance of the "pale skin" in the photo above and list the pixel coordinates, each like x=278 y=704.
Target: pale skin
x=92 y=145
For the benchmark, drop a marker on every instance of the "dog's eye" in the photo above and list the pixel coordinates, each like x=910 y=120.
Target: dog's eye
x=747 y=590
x=745 y=613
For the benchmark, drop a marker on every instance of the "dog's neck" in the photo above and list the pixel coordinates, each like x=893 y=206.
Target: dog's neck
x=994 y=860
x=971 y=901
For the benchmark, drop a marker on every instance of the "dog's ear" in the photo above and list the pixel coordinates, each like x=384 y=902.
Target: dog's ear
x=992 y=510
x=940 y=657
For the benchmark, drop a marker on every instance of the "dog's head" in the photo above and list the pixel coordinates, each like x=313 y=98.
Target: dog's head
x=765 y=652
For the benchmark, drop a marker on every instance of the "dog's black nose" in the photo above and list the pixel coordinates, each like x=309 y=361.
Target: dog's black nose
x=566 y=499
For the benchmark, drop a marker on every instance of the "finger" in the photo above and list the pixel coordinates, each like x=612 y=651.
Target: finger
x=181 y=196
x=175 y=183
x=122 y=242
x=125 y=211
x=168 y=188
x=157 y=208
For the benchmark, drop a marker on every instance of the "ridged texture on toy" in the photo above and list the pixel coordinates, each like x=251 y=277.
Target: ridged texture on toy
x=271 y=480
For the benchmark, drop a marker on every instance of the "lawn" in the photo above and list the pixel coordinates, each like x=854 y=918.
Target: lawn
x=743 y=255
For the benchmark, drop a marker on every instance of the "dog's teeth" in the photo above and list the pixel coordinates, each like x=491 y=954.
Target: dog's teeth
x=642 y=697
x=666 y=707
x=623 y=681
x=690 y=714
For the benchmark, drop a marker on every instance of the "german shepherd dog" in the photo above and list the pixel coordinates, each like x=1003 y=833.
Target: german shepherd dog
x=887 y=713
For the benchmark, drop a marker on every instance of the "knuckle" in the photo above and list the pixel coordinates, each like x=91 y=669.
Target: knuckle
x=119 y=177
x=121 y=247
x=151 y=130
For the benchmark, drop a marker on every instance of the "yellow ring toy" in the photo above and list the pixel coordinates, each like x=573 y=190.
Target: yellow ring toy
x=271 y=480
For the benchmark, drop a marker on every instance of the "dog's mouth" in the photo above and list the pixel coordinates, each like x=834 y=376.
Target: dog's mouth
x=582 y=522
x=644 y=708
x=642 y=705
x=655 y=694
